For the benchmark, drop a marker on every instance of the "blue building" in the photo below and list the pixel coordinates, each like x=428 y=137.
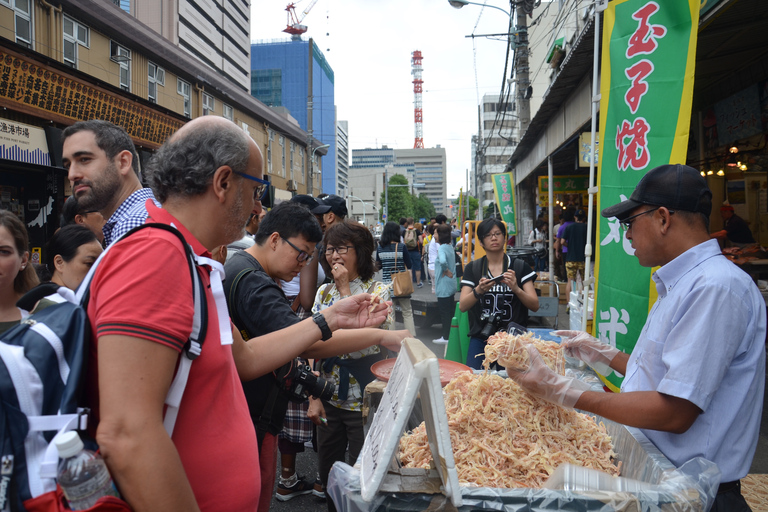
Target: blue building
x=290 y=74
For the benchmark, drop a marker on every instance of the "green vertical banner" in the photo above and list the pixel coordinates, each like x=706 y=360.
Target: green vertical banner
x=504 y=188
x=648 y=57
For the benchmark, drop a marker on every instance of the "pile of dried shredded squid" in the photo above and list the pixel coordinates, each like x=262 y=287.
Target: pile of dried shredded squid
x=504 y=437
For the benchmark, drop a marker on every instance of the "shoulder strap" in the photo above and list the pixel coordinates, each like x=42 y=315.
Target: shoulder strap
x=194 y=345
x=231 y=298
x=327 y=291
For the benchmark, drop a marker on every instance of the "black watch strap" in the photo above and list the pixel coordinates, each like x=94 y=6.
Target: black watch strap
x=474 y=292
x=325 y=331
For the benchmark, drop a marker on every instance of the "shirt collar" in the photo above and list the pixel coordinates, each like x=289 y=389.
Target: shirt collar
x=162 y=216
x=132 y=200
x=667 y=276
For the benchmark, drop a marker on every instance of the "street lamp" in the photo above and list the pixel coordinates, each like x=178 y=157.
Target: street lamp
x=355 y=197
x=458 y=4
x=312 y=166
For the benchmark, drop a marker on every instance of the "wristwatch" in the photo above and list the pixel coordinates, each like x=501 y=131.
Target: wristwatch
x=474 y=292
x=325 y=331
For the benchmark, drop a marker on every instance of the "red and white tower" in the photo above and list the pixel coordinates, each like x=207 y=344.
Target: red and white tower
x=417 y=81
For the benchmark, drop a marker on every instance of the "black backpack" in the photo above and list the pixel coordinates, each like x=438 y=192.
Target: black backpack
x=43 y=364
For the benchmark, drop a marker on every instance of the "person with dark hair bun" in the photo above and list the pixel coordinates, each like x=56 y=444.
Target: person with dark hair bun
x=17 y=276
x=74 y=213
x=70 y=254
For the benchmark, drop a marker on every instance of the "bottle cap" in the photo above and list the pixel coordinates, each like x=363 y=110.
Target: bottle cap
x=68 y=444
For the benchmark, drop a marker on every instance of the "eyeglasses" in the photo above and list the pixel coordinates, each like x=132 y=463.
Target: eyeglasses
x=626 y=224
x=497 y=234
x=342 y=249
x=303 y=255
x=261 y=190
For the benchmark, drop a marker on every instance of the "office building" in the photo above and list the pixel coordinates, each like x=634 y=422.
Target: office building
x=295 y=74
x=216 y=33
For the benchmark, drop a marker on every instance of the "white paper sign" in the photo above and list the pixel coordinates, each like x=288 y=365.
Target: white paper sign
x=416 y=371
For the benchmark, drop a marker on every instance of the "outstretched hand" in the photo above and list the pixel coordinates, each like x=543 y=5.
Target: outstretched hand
x=358 y=311
x=539 y=380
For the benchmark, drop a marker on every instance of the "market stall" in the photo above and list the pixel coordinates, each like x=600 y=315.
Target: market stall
x=379 y=481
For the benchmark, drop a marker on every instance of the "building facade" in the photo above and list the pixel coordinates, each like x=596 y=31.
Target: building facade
x=295 y=74
x=730 y=66
x=498 y=142
x=216 y=32
x=424 y=168
x=62 y=65
x=342 y=158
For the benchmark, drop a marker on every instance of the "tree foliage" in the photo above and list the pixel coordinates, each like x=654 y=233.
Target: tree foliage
x=403 y=203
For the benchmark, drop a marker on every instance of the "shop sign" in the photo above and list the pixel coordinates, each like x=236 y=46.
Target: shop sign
x=504 y=189
x=27 y=86
x=649 y=50
x=569 y=189
x=23 y=143
x=585 y=148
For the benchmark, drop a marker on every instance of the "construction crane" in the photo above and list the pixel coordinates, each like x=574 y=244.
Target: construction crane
x=295 y=28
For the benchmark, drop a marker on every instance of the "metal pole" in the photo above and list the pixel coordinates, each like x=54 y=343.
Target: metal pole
x=588 y=279
x=551 y=215
x=386 y=196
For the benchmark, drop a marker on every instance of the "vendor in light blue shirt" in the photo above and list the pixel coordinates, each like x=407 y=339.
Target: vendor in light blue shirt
x=695 y=380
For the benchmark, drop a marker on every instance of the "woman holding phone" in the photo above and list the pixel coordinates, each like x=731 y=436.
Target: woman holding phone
x=496 y=290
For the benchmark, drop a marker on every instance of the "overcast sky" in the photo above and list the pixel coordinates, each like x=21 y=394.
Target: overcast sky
x=368 y=43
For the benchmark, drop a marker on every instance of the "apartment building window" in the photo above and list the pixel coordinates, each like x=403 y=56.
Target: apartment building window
x=228 y=111
x=23 y=22
x=155 y=77
x=183 y=88
x=282 y=150
x=75 y=34
x=303 y=163
x=208 y=104
x=122 y=56
x=293 y=148
x=269 y=151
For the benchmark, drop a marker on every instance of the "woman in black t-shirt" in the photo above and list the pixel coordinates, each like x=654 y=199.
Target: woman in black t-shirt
x=508 y=298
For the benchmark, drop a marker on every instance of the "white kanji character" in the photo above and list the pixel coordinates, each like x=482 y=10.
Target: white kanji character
x=612 y=323
x=615 y=234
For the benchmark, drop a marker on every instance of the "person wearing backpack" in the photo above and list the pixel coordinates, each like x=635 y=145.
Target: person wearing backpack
x=141 y=314
x=412 y=241
x=497 y=290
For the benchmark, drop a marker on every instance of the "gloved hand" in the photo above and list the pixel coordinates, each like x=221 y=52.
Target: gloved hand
x=540 y=381
x=592 y=351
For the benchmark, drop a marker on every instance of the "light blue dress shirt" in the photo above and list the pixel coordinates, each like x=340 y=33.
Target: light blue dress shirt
x=704 y=341
x=446 y=260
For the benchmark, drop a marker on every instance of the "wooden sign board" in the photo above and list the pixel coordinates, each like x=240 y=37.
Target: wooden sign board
x=416 y=372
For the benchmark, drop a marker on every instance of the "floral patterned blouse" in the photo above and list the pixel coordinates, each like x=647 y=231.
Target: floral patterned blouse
x=354 y=399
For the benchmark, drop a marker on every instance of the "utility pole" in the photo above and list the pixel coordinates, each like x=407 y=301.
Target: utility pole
x=310 y=107
x=521 y=69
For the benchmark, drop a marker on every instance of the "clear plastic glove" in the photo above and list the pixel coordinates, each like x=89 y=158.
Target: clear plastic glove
x=540 y=381
x=592 y=351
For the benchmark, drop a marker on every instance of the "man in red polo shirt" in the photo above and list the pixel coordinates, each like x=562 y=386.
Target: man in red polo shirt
x=208 y=178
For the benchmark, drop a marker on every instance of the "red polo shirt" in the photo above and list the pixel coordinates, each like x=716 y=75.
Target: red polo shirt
x=142 y=288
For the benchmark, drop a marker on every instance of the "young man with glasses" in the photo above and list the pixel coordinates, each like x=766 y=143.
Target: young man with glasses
x=694 y=382
x=285 y=243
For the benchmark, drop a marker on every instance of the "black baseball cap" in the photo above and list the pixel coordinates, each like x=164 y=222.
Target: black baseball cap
x=674 y=186
x=337 y=204
x=310 y=202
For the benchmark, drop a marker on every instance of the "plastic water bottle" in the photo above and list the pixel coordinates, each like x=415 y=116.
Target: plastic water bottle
x=82 y=474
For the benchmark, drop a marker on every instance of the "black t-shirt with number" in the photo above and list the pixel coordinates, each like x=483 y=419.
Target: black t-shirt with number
x=499 y=298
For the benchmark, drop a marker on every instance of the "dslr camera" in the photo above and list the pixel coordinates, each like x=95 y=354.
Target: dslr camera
x=491 y=323
x=299 y=382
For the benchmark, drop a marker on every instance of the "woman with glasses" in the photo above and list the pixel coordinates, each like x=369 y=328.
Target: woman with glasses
x=349 y=252
x=497 y=290
x=393 y=256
